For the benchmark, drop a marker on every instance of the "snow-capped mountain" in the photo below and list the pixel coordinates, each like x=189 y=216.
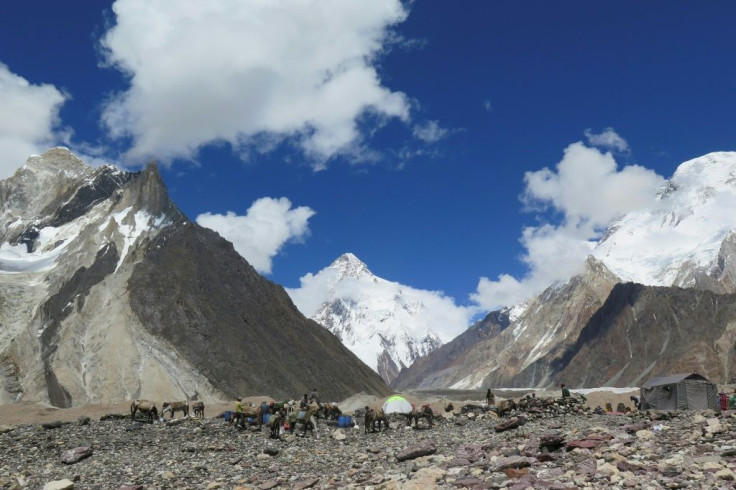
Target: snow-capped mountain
x=656 y=297
x=108 y=293
x=385 y=324
x=682 y=239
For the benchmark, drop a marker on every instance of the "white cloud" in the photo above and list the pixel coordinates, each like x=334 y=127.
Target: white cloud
x=588 y=191
x=29 y=119
x=228 y=70
x=262 y=232
x=429 y=132
x=608 y=140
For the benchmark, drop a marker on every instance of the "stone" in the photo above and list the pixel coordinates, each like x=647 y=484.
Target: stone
x=424 y=478
x=424 y=448
x=645 y=434
x=581 y=444
x=52 y=425
x=512 y=423
x=59 y=485
x=551 y=442
x=71 y=456
x=472 y=483
x=725 y=474
x=83 y=420
x=515 y=462
x=306 y=483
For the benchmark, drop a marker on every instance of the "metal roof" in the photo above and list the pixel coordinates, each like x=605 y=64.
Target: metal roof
x=672 y=379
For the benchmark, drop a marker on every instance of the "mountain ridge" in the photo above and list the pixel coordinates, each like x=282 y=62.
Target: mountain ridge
x=681 y=247
x=100 y=302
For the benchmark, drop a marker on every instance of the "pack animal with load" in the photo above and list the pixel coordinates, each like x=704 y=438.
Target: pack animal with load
x=423 y=413
x=198 y=409
x=144 y=407
x=174 y=407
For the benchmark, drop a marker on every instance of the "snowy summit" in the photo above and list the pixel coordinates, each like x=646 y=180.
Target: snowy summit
x=385 y=324
x=681 y=235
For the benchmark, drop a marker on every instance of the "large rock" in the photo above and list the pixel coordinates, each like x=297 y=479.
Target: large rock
x=424 y=448
x=71 y=456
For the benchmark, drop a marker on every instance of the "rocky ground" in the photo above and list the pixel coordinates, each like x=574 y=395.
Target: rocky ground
x=560 y=446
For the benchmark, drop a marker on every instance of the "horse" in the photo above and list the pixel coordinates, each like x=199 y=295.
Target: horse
x=146 y=407
x=198 y=409
x=174 y=407
x=423 y=413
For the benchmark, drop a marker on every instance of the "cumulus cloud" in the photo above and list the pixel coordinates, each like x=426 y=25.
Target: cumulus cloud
x=424 y=309
x=587 y=192
x=233 y=71
x=262 y=232
x=608 y=140
x=429 y=132
x=29 y=119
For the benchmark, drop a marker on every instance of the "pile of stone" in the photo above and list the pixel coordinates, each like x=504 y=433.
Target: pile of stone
x=642 y=450
x=534 y=407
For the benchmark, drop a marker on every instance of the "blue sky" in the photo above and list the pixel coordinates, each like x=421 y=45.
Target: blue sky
x=414 y=135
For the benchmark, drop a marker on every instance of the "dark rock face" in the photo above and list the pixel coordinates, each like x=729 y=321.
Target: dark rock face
x=106 y=181
x=238 y=329
x=453 y=352
x=635 y=333
x=672 y=329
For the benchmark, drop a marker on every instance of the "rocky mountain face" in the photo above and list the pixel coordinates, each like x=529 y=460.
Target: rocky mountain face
x=108 y=293
x=655 y=298
x=383 y=323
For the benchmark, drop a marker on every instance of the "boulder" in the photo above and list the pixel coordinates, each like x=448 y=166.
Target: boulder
x=64 y=484
x=424 y=448
x=71 y=456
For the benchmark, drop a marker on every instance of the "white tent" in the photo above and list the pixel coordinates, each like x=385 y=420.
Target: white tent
x=396 y=404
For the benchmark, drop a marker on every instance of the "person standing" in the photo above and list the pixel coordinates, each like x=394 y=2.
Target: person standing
x=637 y=401
x=490 y=399
x=565 y=391
x=237 y=417
x=314 y=397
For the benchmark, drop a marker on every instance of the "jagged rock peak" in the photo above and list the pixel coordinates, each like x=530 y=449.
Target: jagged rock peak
x=348 y=265
x=152 y=195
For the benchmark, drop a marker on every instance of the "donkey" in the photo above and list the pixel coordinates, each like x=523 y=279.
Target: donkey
x=379 y=419
x=145 y=407
x=423 y=413
x=174 y=407
x=505 y=407
x=198 y=409
x=307 y=417
x=275 y=422
x=331 y=411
